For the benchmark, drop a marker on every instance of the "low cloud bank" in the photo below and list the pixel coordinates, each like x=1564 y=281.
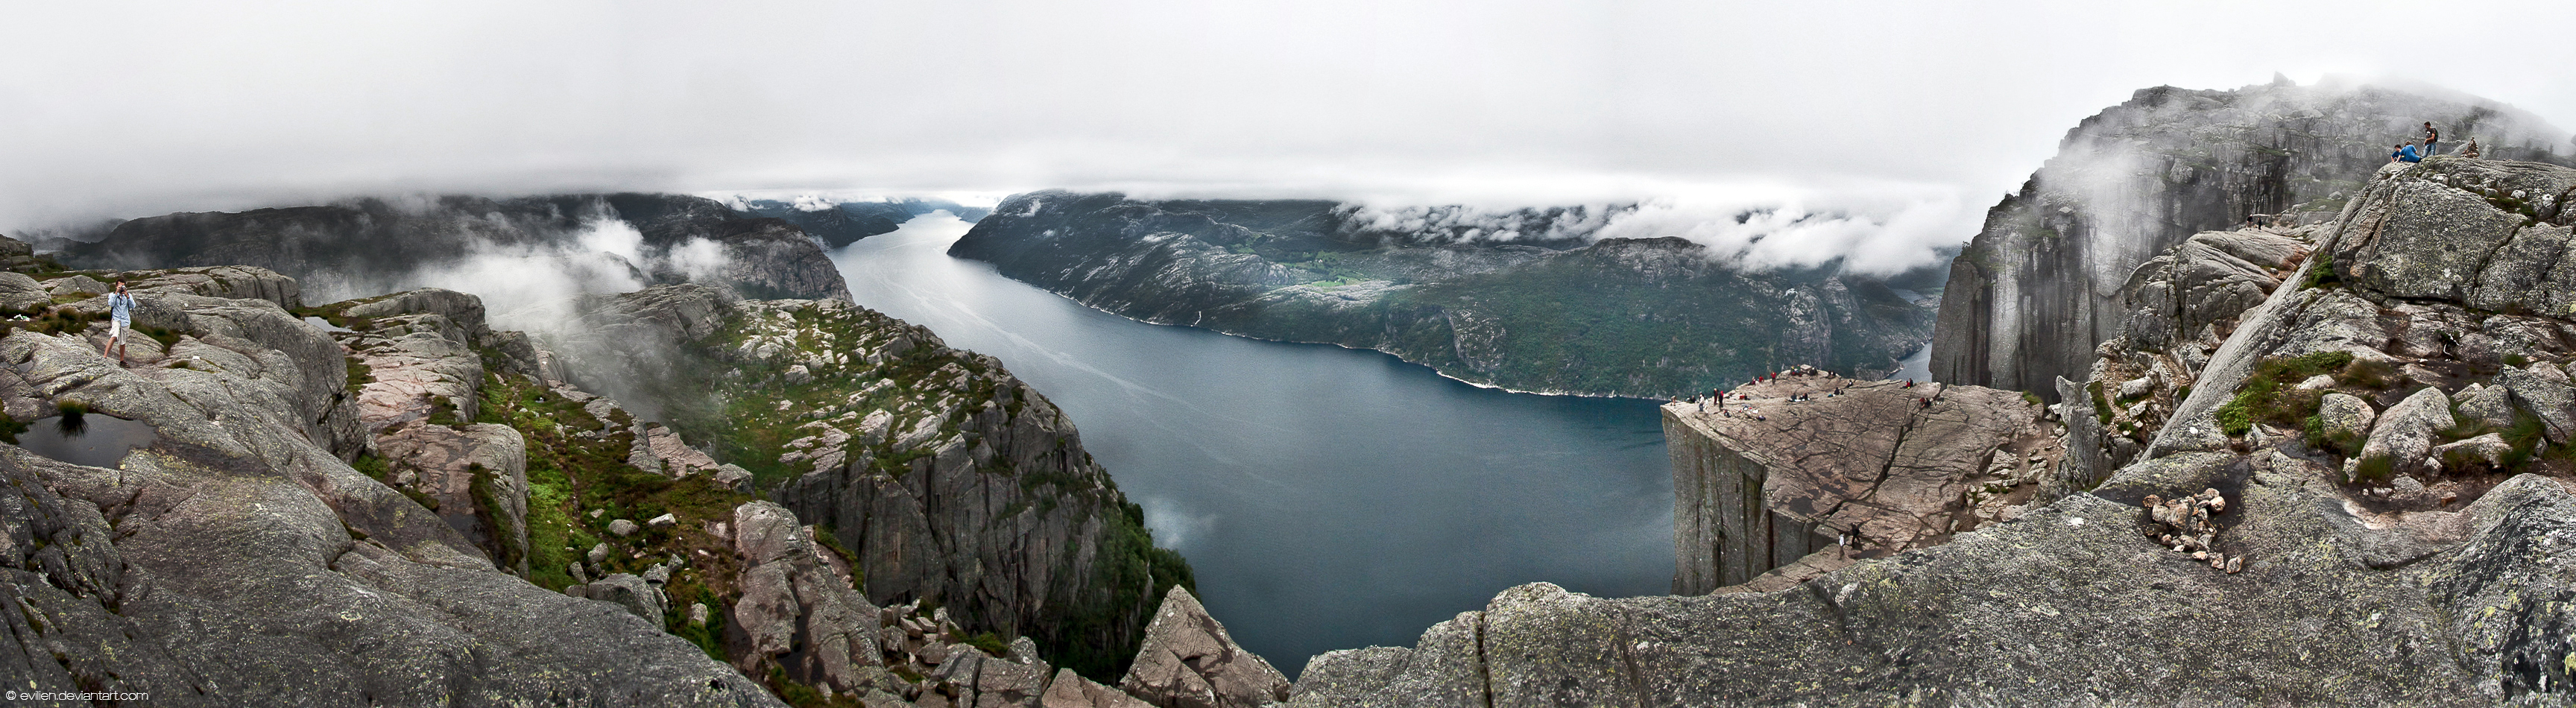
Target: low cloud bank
x=1872 y=230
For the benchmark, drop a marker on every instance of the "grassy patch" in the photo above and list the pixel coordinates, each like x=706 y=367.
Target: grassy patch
x=989 y=642
x=2323 y=275
x=2344 y=443
x=2267 y=395
x=359 y=375
x=488 y=505
x=10 y=427
x=2374 y=471
x=166 y=336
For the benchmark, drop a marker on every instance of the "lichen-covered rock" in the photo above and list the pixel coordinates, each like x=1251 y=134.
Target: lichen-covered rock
x=1879 y=632
x=2403 y=435
x=2489 y=450
x=2345 y=419
x=2549 y=398
x=1188 y=661
x=2491 y=407
x=19 y=292
x=1444 y=669
x=1015 y=681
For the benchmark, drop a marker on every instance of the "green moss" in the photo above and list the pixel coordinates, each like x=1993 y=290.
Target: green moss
x=2362 y=373
x=2322 y=275
x=442 y=411
x=708 y=637
x=382 y=471
x=359 y=375
x=480 y=485
x=990 y=643
x=2101 y=405
x=2267 y=396
x=167 y=337
x=2374 y=471
x=10 y=427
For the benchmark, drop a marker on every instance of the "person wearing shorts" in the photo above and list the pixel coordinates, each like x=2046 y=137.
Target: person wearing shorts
x=120 y=308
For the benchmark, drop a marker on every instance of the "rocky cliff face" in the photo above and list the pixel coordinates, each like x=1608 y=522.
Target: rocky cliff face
x=1653 y=316
x=1851 y=470
x=231 y=556
x=2355 y=497
x=2040 y=283
x=951 y=482
x=371 y=246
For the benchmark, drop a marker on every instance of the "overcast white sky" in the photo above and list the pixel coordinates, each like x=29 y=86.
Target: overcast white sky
x=136 y=108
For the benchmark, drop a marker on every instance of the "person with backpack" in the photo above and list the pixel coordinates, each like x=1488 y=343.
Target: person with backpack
x=120 y=309
x=2431 y=136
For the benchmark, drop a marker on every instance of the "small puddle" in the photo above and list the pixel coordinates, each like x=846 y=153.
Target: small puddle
x=101 y=440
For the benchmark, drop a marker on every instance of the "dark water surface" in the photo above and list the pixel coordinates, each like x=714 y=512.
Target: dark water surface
x=1329 y=498
x=102 y=440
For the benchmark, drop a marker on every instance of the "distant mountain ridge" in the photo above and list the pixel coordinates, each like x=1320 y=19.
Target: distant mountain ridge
x=840 y=223
x=369 y=246
x=1523 y=300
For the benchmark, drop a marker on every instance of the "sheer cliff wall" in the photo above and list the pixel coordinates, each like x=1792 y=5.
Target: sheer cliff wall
x=2039 y=285
x=1722 y=533
x=1805 y=473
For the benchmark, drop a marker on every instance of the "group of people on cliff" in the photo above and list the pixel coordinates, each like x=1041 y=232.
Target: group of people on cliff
x=2432 y=136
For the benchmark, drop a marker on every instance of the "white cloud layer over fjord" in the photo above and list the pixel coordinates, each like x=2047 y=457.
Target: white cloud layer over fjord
x=1912 y=115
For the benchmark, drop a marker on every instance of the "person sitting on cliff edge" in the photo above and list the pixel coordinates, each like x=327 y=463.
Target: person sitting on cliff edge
x=2405 y=153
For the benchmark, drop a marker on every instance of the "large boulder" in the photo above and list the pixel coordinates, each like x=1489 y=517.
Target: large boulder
x=1071 y=690
x=797 y=613
x=2404 y=433
x=1442 y=670
x=2543 y=391
x=463 y=309
x=19 y=292
x=630 y=591
x=2345 y=420
x=478 y=474
x=2208 y=279
x=2491 y=407
x=1188 y=661
x=1015 y=681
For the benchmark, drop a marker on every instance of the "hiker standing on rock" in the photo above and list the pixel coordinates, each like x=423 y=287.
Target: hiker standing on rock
x=2431 y=136
x=120 y=308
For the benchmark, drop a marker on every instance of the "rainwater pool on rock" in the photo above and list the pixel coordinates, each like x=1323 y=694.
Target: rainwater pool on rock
x=101 y=439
